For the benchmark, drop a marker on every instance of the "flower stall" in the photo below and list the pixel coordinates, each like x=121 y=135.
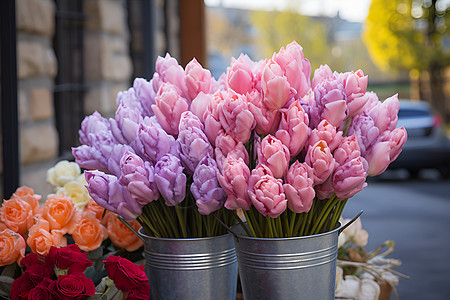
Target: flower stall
x=249 y=171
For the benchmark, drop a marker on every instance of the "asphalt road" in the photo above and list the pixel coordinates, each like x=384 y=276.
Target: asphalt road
x=416 y=215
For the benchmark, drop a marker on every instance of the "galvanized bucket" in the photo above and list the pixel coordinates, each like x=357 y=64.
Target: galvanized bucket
x=300 y=268
x=192 y=268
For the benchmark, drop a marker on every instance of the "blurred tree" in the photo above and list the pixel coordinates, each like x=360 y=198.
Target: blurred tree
x=279 y=28
x=411 y=35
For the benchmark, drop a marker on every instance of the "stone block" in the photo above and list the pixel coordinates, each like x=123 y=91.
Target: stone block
x=35 y=59
x=30 y=60
x=36 y=16
x=22 y=106
x=41 y=104
x=38 y=143
x=100 y=99
x=105 y=15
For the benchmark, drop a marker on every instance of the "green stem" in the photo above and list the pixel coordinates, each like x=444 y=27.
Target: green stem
x=181 y=220
x=269 y=226
x=234 y=214
x=291 y=225
x=325 y=214
x=249 y=223
x=338 y=214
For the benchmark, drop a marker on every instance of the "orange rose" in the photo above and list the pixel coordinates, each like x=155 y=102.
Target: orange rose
x=27 y=194
x=12 y=247
x=96 y=209
x=120 y=235
x=58 y=211
x=41 y=239
x=88 y=233
x=17 y=215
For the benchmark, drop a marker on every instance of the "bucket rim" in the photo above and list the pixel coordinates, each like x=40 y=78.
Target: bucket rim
x=149 y=237
x=337 y=229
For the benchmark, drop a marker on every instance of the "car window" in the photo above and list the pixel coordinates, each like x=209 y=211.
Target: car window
x=411 y=113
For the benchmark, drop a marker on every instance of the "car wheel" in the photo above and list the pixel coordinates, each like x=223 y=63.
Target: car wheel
x=445 y=172
x=413 y=173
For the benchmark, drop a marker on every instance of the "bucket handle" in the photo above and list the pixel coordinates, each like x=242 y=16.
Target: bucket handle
x=350 y=222
x=130 y=227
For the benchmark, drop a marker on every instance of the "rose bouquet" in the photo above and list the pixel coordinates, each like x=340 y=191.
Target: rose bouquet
x=59 y=275
x=264 y=139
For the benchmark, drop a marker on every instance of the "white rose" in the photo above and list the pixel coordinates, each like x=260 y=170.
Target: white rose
x=63 y=172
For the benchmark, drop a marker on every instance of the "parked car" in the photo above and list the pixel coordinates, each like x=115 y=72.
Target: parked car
x=428 y=146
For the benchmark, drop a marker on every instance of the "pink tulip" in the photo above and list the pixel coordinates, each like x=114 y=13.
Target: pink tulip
x=325 y=132
x=397 y=139
x=293 y=130
x=355 y=88
x=349 y=178
x=169 y=71
x=385 y=115
x=348 y=149
x=275 y=155
x=228 y=145
x=297 y=69
x=321 y=74
x=274 y=85
x=378 y=158
x=265 y=118
x=268 y=196
x=299 y=187
x=200 y=106
x=235 y=118
x=169 y=107
x=319 y=158
x=325 y=190
x=211 y=117
x=256 y=174
x=197 y=79
x=239 y=75
x=233 y=180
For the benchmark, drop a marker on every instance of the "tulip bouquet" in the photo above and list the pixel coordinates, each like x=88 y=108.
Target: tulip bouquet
x=264 y=139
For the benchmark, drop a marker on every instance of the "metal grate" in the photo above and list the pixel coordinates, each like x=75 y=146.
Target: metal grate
x=69 y=84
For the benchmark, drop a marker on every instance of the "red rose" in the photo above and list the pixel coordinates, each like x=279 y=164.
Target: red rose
x=141 y=293
x=38 y=268
x=21 y=287
x=74 y=286
x=70 y=258
x=46 y=290
x=125 y=274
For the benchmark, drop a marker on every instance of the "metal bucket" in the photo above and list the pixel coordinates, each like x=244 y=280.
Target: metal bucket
x=297 y=268
x=192 y=268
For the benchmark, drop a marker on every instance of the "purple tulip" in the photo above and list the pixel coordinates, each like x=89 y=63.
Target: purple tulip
x=108 y=192
x=90 y=158
x=349 y=178
x=153 y=142
x=299 y=187
x=363 y=127
x=115 y=158
x=125 y=124
x=170 y=179
x=331 y=102
x=208 y=194
x=355 y=89
x=234 y=181
x=192 y=142
x=138 y=177
x=145 y=95
x=385 y=115
x=92 y=125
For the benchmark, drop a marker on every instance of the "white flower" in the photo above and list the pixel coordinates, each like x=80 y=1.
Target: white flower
x=77 y=192
x=355 y=233
x=352 y=287
x=63 y=172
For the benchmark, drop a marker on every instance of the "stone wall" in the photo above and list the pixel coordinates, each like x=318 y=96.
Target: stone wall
x=36 y=69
